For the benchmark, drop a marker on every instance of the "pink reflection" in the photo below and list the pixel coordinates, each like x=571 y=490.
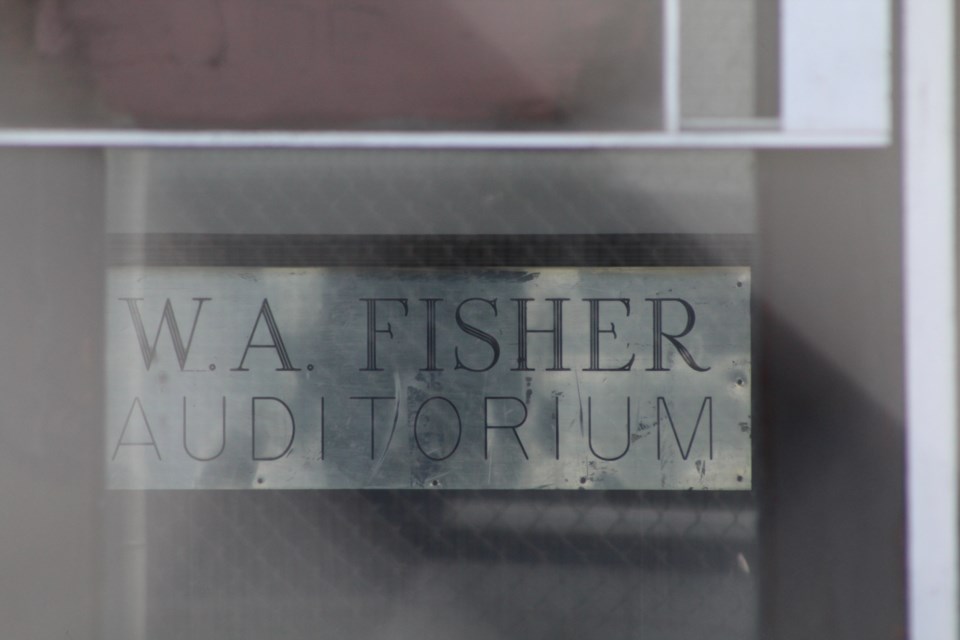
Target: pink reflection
x=248 y=63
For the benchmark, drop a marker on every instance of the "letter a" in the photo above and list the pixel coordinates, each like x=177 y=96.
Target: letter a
x=276 y=340
x=126 y=425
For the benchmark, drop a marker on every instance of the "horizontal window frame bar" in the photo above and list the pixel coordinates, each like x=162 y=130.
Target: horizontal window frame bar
x=461 y=140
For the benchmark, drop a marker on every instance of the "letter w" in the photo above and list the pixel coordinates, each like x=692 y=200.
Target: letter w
x=148 y=350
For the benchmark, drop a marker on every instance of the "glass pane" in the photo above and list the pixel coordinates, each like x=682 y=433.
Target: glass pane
x=423 y=193
x=720 y=72
x=287 y=64
x=809 y=546
x=433 y=562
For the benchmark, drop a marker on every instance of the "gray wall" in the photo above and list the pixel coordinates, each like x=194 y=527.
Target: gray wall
x=51 y=279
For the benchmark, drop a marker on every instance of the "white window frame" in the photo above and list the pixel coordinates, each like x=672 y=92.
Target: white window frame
x=843 y=61
x=929 y=273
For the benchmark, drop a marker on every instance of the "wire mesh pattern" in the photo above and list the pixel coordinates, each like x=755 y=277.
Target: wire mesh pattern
x=433 y=564
x=429 y=192
x=457 y=564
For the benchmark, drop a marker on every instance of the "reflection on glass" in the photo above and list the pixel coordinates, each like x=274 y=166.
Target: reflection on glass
x=542 y=64
x=432 y=563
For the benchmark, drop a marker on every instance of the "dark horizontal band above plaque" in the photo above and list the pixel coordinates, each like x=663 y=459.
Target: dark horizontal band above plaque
x=430 y=251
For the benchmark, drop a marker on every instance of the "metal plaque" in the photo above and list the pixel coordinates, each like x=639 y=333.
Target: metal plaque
x=335 y=377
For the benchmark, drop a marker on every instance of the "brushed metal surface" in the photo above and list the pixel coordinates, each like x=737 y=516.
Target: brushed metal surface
x=337 y=377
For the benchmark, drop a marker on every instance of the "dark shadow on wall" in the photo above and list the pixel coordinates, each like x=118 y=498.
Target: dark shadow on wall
x=831 y=383
x=832 y=488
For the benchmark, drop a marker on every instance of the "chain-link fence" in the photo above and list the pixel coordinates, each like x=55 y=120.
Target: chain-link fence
x=441 y=563
x=433 y=564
